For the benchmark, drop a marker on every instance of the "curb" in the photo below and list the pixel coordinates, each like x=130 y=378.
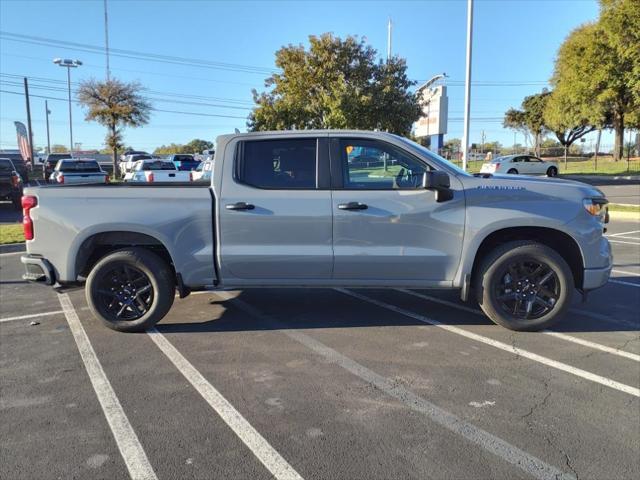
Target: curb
x=13 y=247
x=624 y=216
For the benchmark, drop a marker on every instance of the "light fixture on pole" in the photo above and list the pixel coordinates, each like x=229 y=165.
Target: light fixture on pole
x=68 y=64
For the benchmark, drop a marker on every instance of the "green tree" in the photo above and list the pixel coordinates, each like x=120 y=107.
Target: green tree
x=530 y=119
x=197 y=146
x=335 y=84
x=57 y=148
x=170 y=149
x=115 y=105
x=597 y=71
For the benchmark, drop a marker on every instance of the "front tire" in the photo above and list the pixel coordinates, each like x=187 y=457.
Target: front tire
x=524 y=286
x=130 y=290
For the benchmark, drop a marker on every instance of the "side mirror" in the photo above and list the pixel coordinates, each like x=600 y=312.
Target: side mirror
x=440 y=182
x=436 y=180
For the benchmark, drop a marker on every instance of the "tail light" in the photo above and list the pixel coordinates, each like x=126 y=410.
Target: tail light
x=191 y=176
x=497 y=166
x=106 y=179
x=60 y=178
x=150 y=177
x=28 y=202
x=15 y=179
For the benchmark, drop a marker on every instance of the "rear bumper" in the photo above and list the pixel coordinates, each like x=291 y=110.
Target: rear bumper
x=38 y=269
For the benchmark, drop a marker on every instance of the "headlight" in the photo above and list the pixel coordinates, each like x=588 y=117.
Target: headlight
x=596 y=206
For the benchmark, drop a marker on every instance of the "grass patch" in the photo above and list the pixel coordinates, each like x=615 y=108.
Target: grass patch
x=616 y=207
x=11 y=234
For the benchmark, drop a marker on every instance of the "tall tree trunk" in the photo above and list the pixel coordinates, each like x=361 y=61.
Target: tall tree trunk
x=598 y=148
x=618 y=126
x=566 y=149
x=114 y=148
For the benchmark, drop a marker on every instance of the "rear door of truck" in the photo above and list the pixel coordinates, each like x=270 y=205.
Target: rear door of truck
x=275 y=210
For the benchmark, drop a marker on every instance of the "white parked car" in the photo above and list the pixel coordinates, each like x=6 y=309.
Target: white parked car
x=130 y=159
x=203 y=172
x=521 y=164
x=156 y=170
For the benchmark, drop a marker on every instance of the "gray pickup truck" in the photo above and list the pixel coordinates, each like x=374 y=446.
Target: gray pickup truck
x=322 y=209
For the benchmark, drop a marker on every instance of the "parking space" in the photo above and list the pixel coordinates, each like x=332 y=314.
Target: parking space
x=319 y=383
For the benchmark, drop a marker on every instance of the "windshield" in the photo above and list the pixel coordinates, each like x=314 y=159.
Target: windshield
x=431 y=155
x=79 y=166
x=6 y=166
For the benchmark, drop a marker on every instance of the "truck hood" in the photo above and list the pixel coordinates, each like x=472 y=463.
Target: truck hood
x=518 y=187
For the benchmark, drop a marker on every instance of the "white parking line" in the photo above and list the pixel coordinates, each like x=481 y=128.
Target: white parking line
x=33 y=315
x=623 y=233
x=626 y=272
x=130 y=448
x=628 y=284
x=269 y=457
x=491 y=443
x=626 y=243
x=563 y=336
x=607 y=382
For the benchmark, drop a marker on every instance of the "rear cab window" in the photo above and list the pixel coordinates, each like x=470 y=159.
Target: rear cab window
x=159 y=165
x=6 y=166
x=79 y=166
x=278 y=164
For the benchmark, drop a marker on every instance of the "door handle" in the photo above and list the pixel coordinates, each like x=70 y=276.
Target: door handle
x=352 y=206
x=240 y=206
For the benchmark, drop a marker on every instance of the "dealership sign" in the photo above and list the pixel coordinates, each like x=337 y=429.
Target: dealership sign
x=435 y=108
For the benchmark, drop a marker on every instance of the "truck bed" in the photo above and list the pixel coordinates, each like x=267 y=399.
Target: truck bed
x=180 y=216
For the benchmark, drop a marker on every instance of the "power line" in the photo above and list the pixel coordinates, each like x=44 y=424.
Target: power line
x=133 y=54
x=153 y=109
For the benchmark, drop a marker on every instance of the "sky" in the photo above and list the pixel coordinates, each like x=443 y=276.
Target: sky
x=514 y=47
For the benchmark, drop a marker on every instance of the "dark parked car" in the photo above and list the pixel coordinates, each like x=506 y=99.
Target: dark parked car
x=50 y=163
x=10 y=183
x=19 y=165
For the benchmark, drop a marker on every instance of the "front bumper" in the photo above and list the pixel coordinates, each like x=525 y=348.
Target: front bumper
x=38 y=269
x=598 y=277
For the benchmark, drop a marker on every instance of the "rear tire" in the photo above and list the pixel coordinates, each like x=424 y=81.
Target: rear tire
x=552 y=172
x=130 y=290
x=524 y=286
x=513 y=171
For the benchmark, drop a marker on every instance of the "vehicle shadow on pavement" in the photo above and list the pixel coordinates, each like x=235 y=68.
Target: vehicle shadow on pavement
x=296 y=314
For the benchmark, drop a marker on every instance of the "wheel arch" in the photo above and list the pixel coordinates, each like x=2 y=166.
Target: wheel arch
x=558 y=240
x=97 y=245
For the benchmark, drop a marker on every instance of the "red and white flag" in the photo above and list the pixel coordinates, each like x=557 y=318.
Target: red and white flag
x=23 y=140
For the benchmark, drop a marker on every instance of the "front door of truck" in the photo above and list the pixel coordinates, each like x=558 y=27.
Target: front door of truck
x=386 y=226
x=275 y=211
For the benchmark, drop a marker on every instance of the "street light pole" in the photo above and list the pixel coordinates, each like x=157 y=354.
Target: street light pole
x=467 y=86
x=47 y=112
x=68 y=64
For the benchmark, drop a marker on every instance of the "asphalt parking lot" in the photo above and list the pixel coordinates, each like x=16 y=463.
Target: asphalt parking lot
x=353 y=384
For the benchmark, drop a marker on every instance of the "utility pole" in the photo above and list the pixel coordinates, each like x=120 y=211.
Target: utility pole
x=467 y=86
x=106 y=36
x=68 y=64
x=47 y=112
x=482 y=138
x=514 y=142
x=26 y=96
x=389 y=28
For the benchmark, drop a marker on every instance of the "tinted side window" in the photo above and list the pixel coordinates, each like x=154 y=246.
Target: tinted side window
x=278 y=164
x=372 y=165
